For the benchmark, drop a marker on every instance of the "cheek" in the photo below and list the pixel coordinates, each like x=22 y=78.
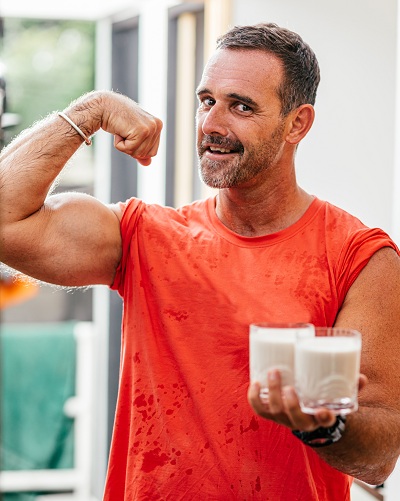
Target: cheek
x=199 y=117
x=198 y=121
x=199 y=128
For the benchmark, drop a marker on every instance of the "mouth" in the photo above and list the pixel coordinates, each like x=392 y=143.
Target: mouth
x=217 y=147
x=217 y=150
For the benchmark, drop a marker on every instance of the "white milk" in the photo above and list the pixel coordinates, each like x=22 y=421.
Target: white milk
x=327 y=372
x=272 y=350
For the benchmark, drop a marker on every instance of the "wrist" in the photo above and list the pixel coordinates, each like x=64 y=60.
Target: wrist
x=86 y=112
x=87 y=139
x=322 y=437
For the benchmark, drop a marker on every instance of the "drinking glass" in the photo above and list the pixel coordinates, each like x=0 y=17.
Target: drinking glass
x=272 y=347
x=327 y=370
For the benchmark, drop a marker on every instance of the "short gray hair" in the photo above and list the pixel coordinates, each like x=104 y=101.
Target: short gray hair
x=301 y=69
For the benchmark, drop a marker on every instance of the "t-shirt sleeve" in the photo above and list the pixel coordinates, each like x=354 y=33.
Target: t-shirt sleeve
x=131 y=211
x=355 y=254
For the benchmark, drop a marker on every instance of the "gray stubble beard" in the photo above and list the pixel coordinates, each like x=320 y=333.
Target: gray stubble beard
x=211 y=176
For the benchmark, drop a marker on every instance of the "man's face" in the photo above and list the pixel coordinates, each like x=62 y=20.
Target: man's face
x=240 y=132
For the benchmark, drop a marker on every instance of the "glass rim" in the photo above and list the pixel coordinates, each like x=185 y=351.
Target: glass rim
x=336 y=332
x=282 y=325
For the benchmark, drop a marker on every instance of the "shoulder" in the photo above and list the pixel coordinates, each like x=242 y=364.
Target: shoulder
x=383 y=268
x=338 y=219
x=349 y=235
x=372 y=304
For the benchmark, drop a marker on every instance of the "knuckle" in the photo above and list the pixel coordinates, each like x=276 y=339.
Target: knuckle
x=145 y=130
x=274 y=407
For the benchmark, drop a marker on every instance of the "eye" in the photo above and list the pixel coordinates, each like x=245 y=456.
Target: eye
x=243 y=108
x=207 y=102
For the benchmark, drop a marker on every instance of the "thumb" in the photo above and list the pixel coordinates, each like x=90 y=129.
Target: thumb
x=143 y=160
x=362 y=382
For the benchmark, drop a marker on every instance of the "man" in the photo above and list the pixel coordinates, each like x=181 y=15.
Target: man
x=193 y=279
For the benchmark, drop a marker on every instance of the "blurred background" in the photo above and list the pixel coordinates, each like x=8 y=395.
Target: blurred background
x=60 y=348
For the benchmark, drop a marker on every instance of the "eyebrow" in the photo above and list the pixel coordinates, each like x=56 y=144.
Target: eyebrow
x=244 y=99
x=202 y=90
x=231 y=95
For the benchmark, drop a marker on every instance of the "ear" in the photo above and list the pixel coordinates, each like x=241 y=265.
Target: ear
x=300 y=122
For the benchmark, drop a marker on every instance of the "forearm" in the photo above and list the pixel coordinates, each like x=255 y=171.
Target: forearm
x=31 y=163
x=369 y=447
x=67 y=239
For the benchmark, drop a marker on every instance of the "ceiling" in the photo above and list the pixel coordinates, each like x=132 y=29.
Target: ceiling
x=72 y=9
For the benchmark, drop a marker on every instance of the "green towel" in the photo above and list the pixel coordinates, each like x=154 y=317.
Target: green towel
x=37 y=370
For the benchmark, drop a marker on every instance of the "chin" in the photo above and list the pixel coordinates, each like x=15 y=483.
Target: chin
x=214 y=183
x=215 y=177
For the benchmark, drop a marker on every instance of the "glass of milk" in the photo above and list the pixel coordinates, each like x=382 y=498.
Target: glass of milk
x=272 y=347
x=327 y=370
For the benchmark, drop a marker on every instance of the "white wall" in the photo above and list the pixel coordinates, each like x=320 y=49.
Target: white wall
x=352 y=154
x=349 y=156
x=153 y=47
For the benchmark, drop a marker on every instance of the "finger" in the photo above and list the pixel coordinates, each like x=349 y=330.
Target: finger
x=302 y=421
x=136 y=148
x=325 y=418
x=144 y=161
x=362 y=382
x=253 y=397
x=298 y=419
x=253 y=393
x=154 y=144
x=262 y=408
x=141 y=142
x=259 y=405
x=149 y=140
x=275 y=392
x=120 y=144
x=152 y=152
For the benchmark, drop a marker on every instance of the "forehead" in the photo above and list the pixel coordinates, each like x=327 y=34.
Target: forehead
x=250 y=72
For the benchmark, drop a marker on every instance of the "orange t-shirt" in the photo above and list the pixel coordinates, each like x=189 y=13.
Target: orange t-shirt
x=191 y=287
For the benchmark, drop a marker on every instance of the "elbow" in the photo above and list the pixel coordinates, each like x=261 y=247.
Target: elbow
x=376 y=474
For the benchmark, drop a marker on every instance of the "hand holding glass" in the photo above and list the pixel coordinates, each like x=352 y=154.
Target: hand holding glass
x=272 y=347
x=327 y=370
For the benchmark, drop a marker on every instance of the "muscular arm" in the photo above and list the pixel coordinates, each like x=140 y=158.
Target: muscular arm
x=370 y=445
x=67 y=239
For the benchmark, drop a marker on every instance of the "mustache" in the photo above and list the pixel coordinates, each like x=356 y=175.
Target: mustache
x=223 y=142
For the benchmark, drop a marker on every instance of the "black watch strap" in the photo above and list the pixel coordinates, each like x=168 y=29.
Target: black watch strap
x=321 y=437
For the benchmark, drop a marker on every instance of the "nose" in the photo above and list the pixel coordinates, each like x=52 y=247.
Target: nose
x=214 y=121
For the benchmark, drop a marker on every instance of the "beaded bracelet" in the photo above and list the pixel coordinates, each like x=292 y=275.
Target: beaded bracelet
x=87 y=140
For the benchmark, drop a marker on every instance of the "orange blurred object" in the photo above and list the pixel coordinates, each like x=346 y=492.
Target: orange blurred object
x=15 y=290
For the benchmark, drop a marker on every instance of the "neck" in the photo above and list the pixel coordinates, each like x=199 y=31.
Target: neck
x=261 y=210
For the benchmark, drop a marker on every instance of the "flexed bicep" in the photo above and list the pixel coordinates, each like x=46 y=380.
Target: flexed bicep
x=67 y=239
x=74 y=240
